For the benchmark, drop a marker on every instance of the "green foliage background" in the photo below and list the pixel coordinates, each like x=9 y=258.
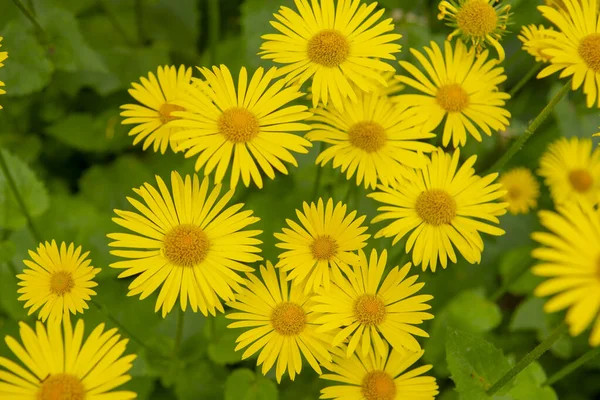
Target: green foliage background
x=60 y=132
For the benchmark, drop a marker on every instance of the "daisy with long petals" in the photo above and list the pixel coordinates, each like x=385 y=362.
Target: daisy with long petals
x=335 y=45
x=522 y=190
x=157 y=97
x=327 y=239
x=279 y=324
x=534 y=41
x=243 y=127
x=462 y=89
x=443 y=207
x=57 y=366
x=570 y=259
x=57 y=281
x=368 y=311
x=187 y=241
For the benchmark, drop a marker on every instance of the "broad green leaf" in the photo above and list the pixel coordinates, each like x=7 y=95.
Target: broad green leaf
x=31 y=190
x=7 y=251
x=515 y=267
x=528 y=385
x=201 y=380
x=244 y=384
x=221 y=346
x=26 y=147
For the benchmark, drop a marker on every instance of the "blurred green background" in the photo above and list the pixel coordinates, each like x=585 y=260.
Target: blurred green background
x=60 y=131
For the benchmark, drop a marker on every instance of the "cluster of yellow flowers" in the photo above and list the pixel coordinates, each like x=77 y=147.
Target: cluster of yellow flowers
x=327 y=301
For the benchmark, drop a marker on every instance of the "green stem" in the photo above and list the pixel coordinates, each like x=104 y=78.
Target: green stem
x=512 y=278
x=530 y=74
x=529 y=358
x=178 y=332
x=566 y=370
x=214 y=27
x=139 y=12
x=319 y=176
x=518 y=144
x=31 y=18
x=20 y=202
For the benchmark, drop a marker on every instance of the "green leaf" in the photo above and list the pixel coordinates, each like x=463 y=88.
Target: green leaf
x=31 y=190
x=27 y=69
x=528 y=385
x=515 y=267
x=472 y=311
x=202 y=380
x=221 y=347
x=7 y=251
x=244 y=384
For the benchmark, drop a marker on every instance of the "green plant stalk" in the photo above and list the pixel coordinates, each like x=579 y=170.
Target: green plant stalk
x=178 y=332
x=518 y=144
x=214 y=27
x=139 y=13
x=319 y=176
x=508 y=283
x=530 y=74
x=529 y=358
x=31 y=18
x=567 y=369
x=20 y=202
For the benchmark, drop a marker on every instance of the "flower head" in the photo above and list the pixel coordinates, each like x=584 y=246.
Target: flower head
x=462 y=88
x=187 y=241
x=247 y=127
x=3 y=56
x=534 y=39
x=477 y=21
x=280 y=323
x=444 y=207
x=571 y=168
x=522 y=190
x=365 y=309
x=61 y=367
x=328 y=239
x=57 y=281
x=336 y=46
x=570 y=259
x=153 y=118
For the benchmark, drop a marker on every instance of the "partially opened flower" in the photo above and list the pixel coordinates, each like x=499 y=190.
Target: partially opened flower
x=327 y=239
x=522 y=190
x=534 y=39
x=368 y=310
x=569 y=257
x=57 y=281
x=187 y=241
x=461 y=89
x=248 y=128
x=279 y=324
x=443 y=207
x=477 y=21
x=382 y=376
x=157 y=97
x=336 y=45
x=57 y=366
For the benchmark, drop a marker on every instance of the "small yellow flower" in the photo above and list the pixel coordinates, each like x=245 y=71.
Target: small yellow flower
x=535 y=42
x=477 y=21
x=58 y=281
x=522 y=190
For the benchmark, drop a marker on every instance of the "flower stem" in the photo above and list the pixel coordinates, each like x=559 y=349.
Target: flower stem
x=510 y=279
x=30 y=17
x=178 y=332
x=319 y=175
x=515 y=89
x=214 y=27
x=567 y=369
x=139 y=13
x=518 y=144
x=529 y=358
x=20 y=202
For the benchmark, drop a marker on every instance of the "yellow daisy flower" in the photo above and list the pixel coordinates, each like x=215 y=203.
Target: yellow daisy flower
x=575 y=49
x=3 y=56
x=444 y=206
x=534 y=41
x=560 y=4
x=249 y=123
x=157 y=97
x=379 y=377
x=373 y=138
x=571 y=168
x=335 y=45
x=462 y=88
x=368 y=309
x=186 y=241
x=281 y=325
x=57 y=281
x=477 y=21
x=66 y=367
x=522 y=190
x=570 y=256
x=328 y=238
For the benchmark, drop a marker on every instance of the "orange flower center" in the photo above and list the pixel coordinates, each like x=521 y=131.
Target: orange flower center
x=238 y=125
x=186 y=245
x=589 y=50
x=378 y=385
x=452 y=97
x=367 y=135
x=581 y=180
x=477 y=18
x=61 y=387
x=514 y=192
x=288 y=319
x=436 y=207
x=328 y=48
x=61 y=282
x=324 y=247
x=369 y=310
x=166 y=110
